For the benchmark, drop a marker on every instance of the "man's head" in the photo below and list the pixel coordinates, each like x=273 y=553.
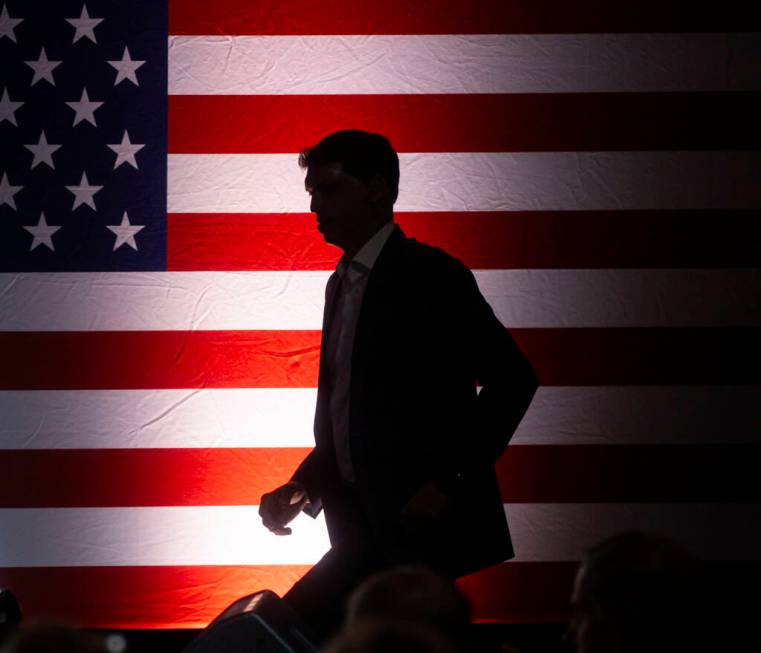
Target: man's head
x=373 y=636
x=353 y=179
x=412 y=594
x=633 y=592
x=54 y=637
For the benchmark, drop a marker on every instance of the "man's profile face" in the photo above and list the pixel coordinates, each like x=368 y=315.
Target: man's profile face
x=340 y=203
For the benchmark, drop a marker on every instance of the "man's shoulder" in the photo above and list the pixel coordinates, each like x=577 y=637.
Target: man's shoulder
x=429 y=257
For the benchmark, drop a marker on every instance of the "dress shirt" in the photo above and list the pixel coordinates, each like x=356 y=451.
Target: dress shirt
x=350 y=284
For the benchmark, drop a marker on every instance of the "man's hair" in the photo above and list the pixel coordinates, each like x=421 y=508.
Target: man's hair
x=648 y=588
x=379 y=636
x=639 y=567
x=361 y=154
x=414 y=594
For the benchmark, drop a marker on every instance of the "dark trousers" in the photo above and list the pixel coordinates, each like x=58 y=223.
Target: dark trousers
x=320 y=596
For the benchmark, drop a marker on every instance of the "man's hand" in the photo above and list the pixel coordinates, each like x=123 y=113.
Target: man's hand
x=428 y=504
x=280 y=506
x=423 y=515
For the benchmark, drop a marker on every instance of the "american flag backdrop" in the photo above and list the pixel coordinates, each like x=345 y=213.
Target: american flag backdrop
x=597 y=164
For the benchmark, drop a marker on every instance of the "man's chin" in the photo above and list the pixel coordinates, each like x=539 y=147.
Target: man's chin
x=327 y=236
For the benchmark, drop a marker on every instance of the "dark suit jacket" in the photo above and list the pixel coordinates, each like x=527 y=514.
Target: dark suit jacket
x=425 y=337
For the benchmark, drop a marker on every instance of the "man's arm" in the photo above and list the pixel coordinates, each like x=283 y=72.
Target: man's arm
x=506 y=377
x=302 y=492
x=307 y=476
x=507 y=381
x=279 y=507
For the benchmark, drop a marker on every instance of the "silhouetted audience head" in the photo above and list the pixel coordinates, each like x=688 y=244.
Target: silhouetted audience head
x=383 y=636
x=413 y=596
x=636 y=592
x=361 y=154
x=10 y=613
x=53 y=638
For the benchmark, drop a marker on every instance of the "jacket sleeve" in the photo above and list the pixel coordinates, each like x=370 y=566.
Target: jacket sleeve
x=506 y=377
x=308 y=476
x=311 y=472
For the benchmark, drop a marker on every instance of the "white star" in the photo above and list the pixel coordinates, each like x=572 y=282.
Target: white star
x=42 y=233
x=7 y=24
x=7 y=192
x=84 y=25
x=84 y=109
x=43 y=69
x=126 y=68
x=125 y=151
x=83 y=194
x=8 y=107
x=43 y=151
x=125 y=233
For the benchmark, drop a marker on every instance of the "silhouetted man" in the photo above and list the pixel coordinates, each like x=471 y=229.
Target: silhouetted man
x=404 y=445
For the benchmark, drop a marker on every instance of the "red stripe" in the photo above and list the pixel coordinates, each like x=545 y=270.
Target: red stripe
x=278 y=359
x=264 y=241
x=657 y=356
x=159 y=359
x=540 y=591
x=469 y=123
x=527 y=474
x=521 y=592
x=459 y=17
x=143 y=477
x=483 y=240
x=140 y=597
x=169 y=597
x=629 y=473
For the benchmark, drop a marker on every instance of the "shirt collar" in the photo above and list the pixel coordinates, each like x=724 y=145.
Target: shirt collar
x=365 y=258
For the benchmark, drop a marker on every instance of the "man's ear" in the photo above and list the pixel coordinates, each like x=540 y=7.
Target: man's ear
x=378 y=190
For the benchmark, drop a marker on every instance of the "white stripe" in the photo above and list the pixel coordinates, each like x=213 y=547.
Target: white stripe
x=623 y=298
x=198 y=535
x=233 y=535
x=642 y=415
x=159 y=301
x=282 y=417
x=492 y=63
x=522 y=181
x=564 y=531
x=135 y=419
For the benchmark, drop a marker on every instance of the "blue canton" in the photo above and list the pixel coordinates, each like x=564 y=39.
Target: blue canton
x=83 y=135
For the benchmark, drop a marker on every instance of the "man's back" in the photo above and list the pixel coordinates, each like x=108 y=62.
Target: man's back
x=424 y=339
